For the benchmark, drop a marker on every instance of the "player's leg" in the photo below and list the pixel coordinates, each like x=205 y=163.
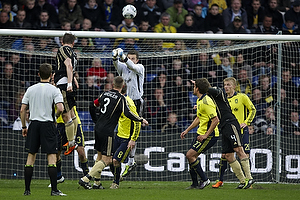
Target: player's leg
x=222 y=169
x=80 y=150
x=28 y=172
x=131 y=164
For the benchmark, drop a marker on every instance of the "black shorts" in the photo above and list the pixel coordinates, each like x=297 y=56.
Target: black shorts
x=203 y=146
x=104 y=144
x=121 y=151
x=140 y=106
x=231 y=136
x=41 y=134
x=69 y=97
x=62 y=137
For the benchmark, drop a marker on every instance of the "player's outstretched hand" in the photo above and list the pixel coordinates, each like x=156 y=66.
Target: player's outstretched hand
x=145 y=122
x=183 y=134
x=115 y=53
x=121 y=54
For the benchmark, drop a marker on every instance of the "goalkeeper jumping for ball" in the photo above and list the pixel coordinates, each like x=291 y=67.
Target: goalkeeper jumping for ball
x=133 y=74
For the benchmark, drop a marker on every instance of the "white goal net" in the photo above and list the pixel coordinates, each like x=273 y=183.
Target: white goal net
x=267 y=68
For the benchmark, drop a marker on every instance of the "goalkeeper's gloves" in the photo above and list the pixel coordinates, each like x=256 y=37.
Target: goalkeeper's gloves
x=122 y=55
x=115 y=54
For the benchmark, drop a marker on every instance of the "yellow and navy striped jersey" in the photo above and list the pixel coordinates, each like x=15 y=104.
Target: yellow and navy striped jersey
x=242 y=108
x=60 y=119
x=128 y=128
x=206 y=110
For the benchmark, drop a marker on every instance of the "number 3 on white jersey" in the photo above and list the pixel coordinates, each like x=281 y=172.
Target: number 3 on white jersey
x=107 y=101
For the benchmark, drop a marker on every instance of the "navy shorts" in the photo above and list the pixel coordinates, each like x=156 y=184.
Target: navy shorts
x=246 y=140
x=206 y=144
x=121 y=151
x=41 y=134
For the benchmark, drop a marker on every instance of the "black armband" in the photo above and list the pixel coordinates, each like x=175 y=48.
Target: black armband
x=125 y=60
x=24 y=127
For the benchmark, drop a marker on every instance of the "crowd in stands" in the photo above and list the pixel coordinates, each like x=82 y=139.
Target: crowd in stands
x=169 y=98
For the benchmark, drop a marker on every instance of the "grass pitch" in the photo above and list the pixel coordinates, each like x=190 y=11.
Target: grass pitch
x=139 y=190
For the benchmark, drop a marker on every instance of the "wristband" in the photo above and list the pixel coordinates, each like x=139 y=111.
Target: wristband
x=69 y=85
x=125 y=60
x=24 y=127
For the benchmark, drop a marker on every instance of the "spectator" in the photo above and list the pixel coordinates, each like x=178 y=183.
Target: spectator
x=178 y=70
x=64 y=26
x=129 y=44
x=244 y=84
x=71 y=12
x=44 y=22
x=255 y=15
x=20 y=21
x=190 y=5
x=235 y=10
x=9 y=85
x=214 y=21
x=172 y=127
x=90 y=90
x=284 y=5
x=272 y=10
x=4 y=21
x=150 y=12
x=43 y=44
x=93 y=12
x=241 y=64
x=293 y=124
x=30 y=13
x=42 y=5
x=19 y=43
x=157 y=109
x=289 y=27
x=292 y=91
x=167 y=4
x=107 y=87
x=177 y=13
x=97 y=71
x=222 y=4
x=226 y=66
x=259 y=103
x=198 y=18
x=189 y=26
x=6 y=7
x=145 y=26
x=127 y=25
x=266 y=125
x=202 y=66
x=160 y=81
x=113 y=13
x=235 y=27
x=165 y=27
x=264 y=85
x=266 y=27
x=17 y=126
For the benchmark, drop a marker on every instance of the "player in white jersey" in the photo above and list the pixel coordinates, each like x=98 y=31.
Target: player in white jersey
x=134 y=75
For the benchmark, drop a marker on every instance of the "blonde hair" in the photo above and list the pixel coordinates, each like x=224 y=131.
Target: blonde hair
x=231 y=79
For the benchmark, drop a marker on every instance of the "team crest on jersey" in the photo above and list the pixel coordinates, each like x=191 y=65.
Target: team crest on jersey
x=236 y=100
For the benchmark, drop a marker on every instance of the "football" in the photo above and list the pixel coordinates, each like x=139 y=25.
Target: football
x=129 y=12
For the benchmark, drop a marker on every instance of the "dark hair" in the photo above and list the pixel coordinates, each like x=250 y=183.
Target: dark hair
x=68 y=38
x=118 y=82
x=202 y=84
x=214 y=5
x=45 y=70
x=133 y=52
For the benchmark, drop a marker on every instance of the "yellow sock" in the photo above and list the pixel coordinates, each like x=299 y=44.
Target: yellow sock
x=236 y=167
x=97 y=168
x=246 y=167
x=97 y=177
x=70 y=130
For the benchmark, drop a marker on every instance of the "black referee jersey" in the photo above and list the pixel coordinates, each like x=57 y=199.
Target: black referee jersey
x=223 y=108
x=111 y=103
x=63 y=53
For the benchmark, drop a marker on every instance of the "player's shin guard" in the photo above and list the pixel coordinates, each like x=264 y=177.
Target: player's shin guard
x=74 y=119
x=52 y=172
x=222 y=169
x=28 y=171
x=117 y=173
x=236 y=168
x=193 y=176
x=198 y=169
x=70 y=130
x=85 y=167
x=246 y=167
x=97 y=168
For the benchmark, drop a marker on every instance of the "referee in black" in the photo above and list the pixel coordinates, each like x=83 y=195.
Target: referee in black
x=111 y=103
x=41 y=99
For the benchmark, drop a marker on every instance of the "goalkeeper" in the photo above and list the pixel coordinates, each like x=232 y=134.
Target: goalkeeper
x=133 y=74
x=244 y=110
x=128 y=132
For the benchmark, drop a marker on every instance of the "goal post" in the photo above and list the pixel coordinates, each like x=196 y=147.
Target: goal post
x=261 y=64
